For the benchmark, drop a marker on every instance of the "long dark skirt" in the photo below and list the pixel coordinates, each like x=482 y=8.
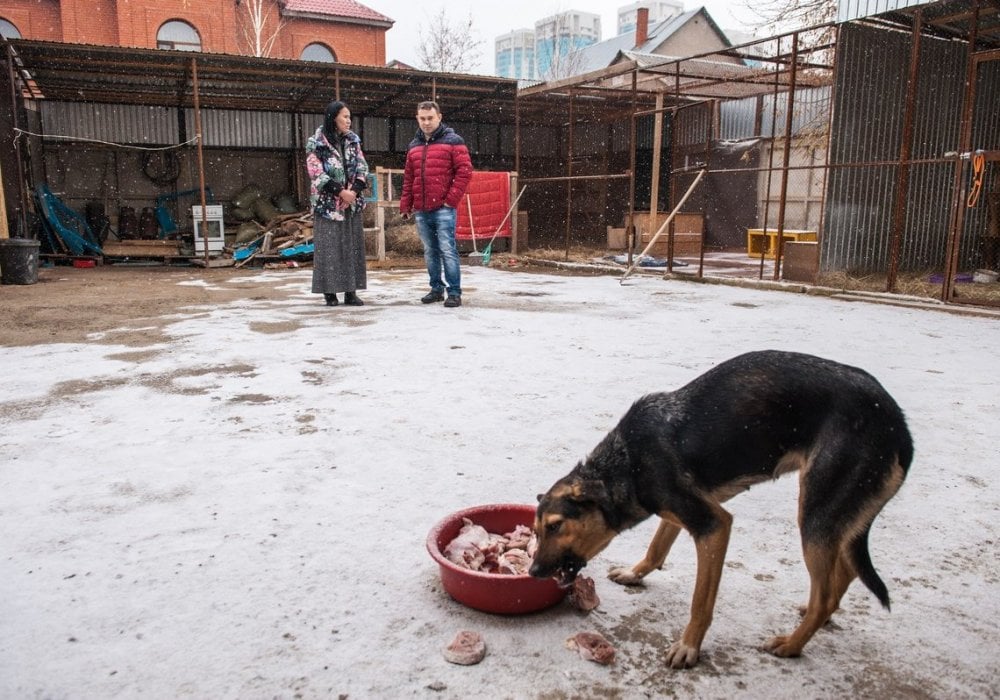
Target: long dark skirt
x=339 y=257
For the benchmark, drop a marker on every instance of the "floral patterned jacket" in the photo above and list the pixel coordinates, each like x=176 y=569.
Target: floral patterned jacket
x=330 y=171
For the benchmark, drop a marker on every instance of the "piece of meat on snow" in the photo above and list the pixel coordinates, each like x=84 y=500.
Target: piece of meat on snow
x=593 y=647
x=583 y=595
x=466 y=649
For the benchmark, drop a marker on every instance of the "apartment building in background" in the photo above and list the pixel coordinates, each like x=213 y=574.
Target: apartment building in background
x=515 y=54
x=552 y=49
x=344 y=31
x=558 y=37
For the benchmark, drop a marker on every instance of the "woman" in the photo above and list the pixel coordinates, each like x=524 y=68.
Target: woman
x=338 y=171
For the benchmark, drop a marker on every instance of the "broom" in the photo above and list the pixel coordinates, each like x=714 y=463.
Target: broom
x=488 y=250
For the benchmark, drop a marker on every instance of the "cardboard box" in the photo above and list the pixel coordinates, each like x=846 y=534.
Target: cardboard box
x=688 y=233
x=685 y=244
x=800 y=261
x=616 y=238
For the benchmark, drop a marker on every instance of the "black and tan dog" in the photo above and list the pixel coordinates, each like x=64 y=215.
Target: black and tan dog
x=681 y=454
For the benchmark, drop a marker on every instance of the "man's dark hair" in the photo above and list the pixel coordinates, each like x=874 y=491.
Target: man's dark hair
x=429 y=104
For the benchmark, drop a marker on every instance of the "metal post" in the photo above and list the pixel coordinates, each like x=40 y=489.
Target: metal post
x=21 y=189
x=965 y=145
x=201 y=157
x=569 y=172
x=786 y=157
x=905 y=153
x=514 y=232
x=629 y=221
x=770 y=161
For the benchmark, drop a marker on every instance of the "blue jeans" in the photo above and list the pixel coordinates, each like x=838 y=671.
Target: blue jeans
x=437 y=233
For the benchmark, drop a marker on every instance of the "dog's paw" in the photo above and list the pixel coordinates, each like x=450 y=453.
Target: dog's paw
x=779 y=646
x=680 y=655
x=624 y=575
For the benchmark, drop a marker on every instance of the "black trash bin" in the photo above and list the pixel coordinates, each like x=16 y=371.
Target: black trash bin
x=18 y=261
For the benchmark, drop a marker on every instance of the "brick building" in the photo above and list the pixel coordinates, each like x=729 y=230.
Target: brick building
x=343 y=31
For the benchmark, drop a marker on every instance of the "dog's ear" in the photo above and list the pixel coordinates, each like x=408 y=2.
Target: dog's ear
x=589 y=491
x=540 y=497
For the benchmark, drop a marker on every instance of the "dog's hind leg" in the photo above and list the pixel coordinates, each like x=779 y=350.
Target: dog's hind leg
x=656 y=554
x=843 y=575
x=710 y=547
x=830 y=573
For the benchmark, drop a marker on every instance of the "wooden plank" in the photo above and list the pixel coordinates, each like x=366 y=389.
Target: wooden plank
x=214 y=262
x=140 y=249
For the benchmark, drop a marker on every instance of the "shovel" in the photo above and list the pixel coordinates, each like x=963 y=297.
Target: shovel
x=488 y=250
x=475 y=253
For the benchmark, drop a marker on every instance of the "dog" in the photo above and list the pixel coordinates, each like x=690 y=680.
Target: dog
x=682 y=454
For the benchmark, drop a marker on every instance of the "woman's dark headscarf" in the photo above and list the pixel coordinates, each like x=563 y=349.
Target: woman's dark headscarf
x=329 y=120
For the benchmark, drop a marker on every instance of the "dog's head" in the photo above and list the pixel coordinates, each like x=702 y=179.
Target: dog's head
x=571 y=527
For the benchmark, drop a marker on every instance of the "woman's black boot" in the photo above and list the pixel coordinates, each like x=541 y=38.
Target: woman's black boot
x=352 y=299
x=331 y=299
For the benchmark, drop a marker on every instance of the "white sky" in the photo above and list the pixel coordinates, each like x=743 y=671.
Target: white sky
x=239 y=511
x=491 y=19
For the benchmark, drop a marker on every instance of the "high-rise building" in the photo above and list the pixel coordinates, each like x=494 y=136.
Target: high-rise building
x=558 y=36
x=659 y=10
x=515 y=55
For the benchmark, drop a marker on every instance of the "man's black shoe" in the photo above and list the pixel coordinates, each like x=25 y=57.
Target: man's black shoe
x=452 y=301
x=432 y=297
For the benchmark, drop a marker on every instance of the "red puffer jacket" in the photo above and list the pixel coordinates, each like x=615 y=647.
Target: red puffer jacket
x=437 y=171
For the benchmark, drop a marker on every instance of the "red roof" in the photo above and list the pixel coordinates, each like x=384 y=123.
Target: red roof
x=336 y=8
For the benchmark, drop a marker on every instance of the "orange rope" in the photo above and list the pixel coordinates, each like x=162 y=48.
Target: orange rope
x=978 y=174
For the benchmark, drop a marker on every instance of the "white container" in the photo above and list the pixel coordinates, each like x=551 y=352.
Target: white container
x=985 y=276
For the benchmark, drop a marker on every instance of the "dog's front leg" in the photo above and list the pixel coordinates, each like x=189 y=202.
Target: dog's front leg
x=711 y=552
x=656 y=554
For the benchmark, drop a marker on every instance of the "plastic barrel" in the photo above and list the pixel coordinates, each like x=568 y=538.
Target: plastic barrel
x=18 y=261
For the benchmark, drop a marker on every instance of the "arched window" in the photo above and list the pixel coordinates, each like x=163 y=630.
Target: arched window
x=179 y=36
x=318 y=52
x=8 y=30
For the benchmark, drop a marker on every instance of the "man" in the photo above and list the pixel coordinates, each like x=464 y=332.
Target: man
x=438 y=170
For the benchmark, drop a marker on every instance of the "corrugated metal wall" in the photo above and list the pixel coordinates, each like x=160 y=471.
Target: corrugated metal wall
x=127 y=124
x=132 y=124
x=870 y=91
x=693 y=126
x=738 y=117
x=243 y=129
x=855 y=9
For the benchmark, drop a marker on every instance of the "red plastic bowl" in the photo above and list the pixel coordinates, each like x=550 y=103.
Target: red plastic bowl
x=493 y=593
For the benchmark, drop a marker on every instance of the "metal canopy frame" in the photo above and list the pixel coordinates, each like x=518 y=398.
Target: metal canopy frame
x=156 y=77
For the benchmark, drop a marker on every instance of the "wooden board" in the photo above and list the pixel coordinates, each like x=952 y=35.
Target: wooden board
x=140 y=249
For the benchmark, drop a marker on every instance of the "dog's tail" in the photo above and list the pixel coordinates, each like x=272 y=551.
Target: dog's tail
x=866 y=570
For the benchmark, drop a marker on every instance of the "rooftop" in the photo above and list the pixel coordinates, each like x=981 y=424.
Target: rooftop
x=347 y=9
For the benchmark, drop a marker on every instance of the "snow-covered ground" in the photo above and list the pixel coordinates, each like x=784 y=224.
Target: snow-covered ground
x=239 y=510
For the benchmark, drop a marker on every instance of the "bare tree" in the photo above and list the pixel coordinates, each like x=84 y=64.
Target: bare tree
x=564 y=60
x=448 y=47
x=793 y=14
x=258 y=29
x=556 y=55
x=781 y=16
